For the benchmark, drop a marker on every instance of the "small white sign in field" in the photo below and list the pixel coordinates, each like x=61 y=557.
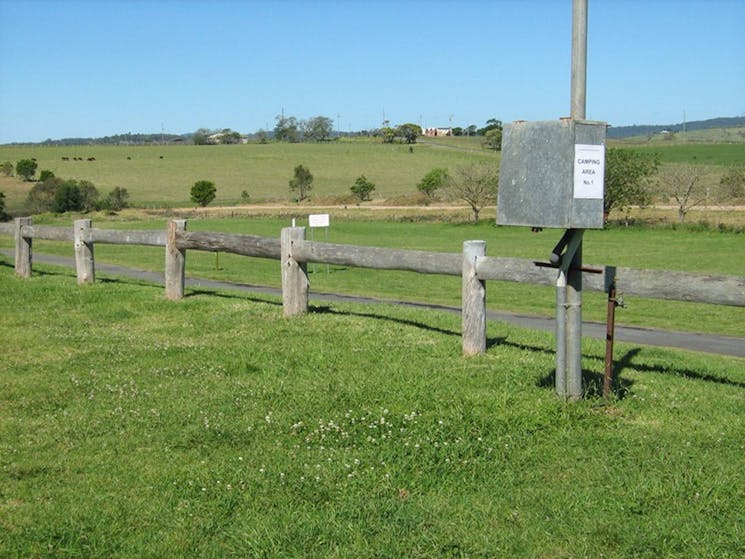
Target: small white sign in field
x=318 y=220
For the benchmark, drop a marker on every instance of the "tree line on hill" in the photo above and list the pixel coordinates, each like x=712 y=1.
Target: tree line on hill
x=620 y=132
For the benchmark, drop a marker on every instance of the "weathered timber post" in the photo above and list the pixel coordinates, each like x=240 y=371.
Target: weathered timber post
x=294 y=274
x=84 y=262
x=474 y=300
x=23 y=248
x=175 y=261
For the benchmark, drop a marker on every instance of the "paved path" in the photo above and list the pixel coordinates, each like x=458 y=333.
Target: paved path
x=723 y=345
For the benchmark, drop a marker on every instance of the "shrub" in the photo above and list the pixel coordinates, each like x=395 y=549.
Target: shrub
x=116 y=200
x=6 y=168
x=362 y=188
x=203 y=192
x=46 y=174
x=302 y=182
x=26 y=169
x=433 y=181
x=67 y=198
x=41 y=196
x=3 y=216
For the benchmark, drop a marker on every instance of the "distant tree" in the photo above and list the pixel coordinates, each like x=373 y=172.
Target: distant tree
x=6 y=168
x=683 y=184
x=45 y=174
x=362 y=188
x=42 y=195
x=26 y=169
x=628 y=179
x=493 y=139
x=732 y=183
x=203 y=192
x=228 y=136
x=458 y=131
x=491 y=124
x=471 y=130
x=67 y=198
x=318 y=128
x=286 y=129
x=476 y=184
x=3 y=216
x=201 y=137
x=409 y=132
x=261 y=135
x=388 y=134
x=89 y=196
x=117 y=199
x=245 y=196
x=434 y=180
x=302 y=182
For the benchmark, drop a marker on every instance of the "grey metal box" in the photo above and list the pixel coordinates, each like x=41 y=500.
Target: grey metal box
x=552 y=174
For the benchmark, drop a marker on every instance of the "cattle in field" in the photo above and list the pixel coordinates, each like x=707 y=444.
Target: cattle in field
x=65 y=159
x=91 y=159
x=162 y=157
x=129 y=158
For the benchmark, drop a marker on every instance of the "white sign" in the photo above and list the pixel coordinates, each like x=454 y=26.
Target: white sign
x=318 y=220
x=589 y=171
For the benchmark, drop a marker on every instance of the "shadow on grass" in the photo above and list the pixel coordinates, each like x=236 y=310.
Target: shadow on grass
x=620 y=388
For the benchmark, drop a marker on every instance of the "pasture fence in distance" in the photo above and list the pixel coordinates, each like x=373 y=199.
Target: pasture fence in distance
x=294 y=252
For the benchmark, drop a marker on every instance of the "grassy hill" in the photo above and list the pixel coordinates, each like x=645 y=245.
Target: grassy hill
x=263 y=170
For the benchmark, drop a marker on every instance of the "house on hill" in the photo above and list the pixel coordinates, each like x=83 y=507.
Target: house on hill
x=438 y=131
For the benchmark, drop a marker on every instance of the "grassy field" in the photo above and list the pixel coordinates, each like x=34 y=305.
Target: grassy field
x=131 y=426
x=703 y=251
x=263 y=170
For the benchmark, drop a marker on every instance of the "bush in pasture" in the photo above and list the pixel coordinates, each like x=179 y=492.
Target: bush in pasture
x=475 y=184
x=89 y=196
x=628 y=178
x=203 y=192
x=3 y=216
x=493 y=139
x=116 y=200
x=433 y=181
x=6 y=168
x=26 y=169
x=362 y=188
x=45 y=174
x=302 y=182
x=41 y=196
x=733 y=184
x=245 y=196
x=67 y=198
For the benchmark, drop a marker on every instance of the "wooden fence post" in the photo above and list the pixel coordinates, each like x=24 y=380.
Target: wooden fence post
x=294 y=274
x=23 y=249
x=474 y=300
x=84 y=263
x=175 y=261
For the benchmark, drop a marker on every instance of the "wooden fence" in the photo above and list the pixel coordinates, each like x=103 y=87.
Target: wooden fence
x=294 y=252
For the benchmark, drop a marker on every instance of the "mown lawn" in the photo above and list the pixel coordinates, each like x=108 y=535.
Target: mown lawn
x=131 y=426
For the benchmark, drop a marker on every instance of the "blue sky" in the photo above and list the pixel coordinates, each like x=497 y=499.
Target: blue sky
x=93 y=68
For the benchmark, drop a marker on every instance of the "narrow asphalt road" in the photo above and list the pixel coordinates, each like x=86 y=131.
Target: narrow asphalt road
x=723 y=345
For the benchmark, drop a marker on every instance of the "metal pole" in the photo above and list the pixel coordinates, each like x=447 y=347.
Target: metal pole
x=579 y=58
x=574 y=275
x=609 y=336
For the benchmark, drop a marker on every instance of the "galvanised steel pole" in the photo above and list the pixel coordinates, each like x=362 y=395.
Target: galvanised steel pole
x=574 y=275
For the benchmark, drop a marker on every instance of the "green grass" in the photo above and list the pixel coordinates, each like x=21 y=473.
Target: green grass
x=703 y=154
x=705 y=252
x=131 y=426
x=263 y=170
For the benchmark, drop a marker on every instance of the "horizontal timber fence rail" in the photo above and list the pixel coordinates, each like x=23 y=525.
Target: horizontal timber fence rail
x=294 y=253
